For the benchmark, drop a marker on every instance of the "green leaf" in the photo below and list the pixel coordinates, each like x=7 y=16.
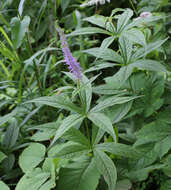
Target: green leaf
x=100 y=65
x=68 y=150
x=113 y=100
x=58 y=101
x=124 y=184
x=88 y=30
x=86 y=93
x=123 y=19
x=107 y=54
x=103 y=122
x=107 y=168
x=97 y=134
x=81 y=175
x=149 y=65
x=66 y=124
x=3 y=186
x=105 y=44
x=98 y=20
x=142 y=52
x=118 y=149
x=20 y=7
x=163 y=146
x=121 y=76
x=142 y=174
x=19 y=28
x=2 y=156
x=65 y=4
x=135 y=36
x=118 y=112
x=11 y=134
x=33 y=180
x=75 y=135
x=31 y=156
x=125 y=46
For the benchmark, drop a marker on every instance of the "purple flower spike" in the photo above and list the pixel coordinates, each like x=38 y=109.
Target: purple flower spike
x=71 y=61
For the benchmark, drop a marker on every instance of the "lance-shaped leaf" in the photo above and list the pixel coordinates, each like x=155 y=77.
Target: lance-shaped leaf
x=58 y=101
x=107 y=168
x=66 y=124
x=112 y=101
x=149 y=65
x=68 y=150
x=103 y=122
x=118 y=149
x=88 y=30
x=107 y=54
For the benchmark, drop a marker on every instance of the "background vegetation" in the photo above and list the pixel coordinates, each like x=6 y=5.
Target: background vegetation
x=109 y=130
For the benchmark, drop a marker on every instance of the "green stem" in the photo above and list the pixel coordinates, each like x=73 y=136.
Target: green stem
x=37 y=77
x=132 y=4
x=87 y=130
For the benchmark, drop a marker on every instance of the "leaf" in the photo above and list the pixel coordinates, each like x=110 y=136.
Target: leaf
x=113 y=100
x=20 y=8
x=65 y=4
x=124 y=184
x=118 y=112
x=86 y=93
x=11 y=134
x=142 y=52
x=3 y=186
x=121 y=76
x=107 y=168
x=81 y=175
x=68 y=150
x=31 y=156
x=66 y=124
x=125 y=46
x=75 y=135
x=163 y=146
x=98 y=20
x=123 y=19
x=149 y=65
x=33 y=180
x=88 y=30
x=100 y=65
x=118 y=149
x=58 y=101
x=19 y=28
x=97 y=134
x=142 y=174
x=107 y=54
x=103 y=122
x=135 y=36
x=2 y=156
x=107 y=89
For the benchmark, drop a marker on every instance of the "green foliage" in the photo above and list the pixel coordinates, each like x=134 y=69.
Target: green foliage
x=110 y=130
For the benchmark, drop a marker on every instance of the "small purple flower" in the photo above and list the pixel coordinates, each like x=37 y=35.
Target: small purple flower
x=145 y=14
x=71 y=61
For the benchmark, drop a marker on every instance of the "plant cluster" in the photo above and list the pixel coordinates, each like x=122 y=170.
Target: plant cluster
x=85 y=95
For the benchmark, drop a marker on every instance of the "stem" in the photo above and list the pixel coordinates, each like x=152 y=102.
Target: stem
x=37 y=77
x=87 y=130
x=132 y=4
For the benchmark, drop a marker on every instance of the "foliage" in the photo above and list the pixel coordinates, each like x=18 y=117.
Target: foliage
x=109 y=129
